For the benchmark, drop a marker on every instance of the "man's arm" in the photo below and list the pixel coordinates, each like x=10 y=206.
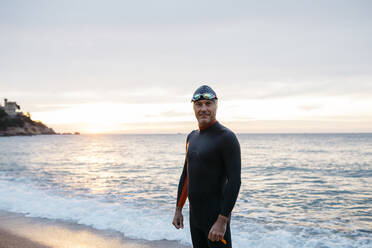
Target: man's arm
x=181 y=196
x=232 y=161
x=182 y=187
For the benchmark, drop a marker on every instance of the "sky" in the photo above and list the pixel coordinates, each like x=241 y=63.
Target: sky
x=132 y=66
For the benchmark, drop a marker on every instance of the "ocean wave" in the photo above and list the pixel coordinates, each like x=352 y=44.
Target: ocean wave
x=155 y=224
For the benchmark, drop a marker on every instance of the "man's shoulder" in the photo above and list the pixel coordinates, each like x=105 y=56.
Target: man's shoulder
x=226 y=133
x=225 y=130
x=193 y=132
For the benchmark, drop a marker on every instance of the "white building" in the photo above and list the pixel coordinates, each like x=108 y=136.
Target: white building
x=11 y=107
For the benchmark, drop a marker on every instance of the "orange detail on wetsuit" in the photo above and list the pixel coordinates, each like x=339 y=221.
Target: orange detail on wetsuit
x=183 y=194
x=211 y=124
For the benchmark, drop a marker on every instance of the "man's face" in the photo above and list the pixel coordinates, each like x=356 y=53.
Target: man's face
x=205 y=112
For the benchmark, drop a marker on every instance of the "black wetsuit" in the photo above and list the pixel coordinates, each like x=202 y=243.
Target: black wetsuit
x=211 y=180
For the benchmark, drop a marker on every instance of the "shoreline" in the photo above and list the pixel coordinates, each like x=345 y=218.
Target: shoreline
x=18 y=231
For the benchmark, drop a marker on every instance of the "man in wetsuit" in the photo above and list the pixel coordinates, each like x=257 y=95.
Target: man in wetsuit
x=210 y=176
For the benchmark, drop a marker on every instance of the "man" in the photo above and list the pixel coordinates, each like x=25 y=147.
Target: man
x=210 y=177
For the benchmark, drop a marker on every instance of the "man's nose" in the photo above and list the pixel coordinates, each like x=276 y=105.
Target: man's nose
x=204 y=107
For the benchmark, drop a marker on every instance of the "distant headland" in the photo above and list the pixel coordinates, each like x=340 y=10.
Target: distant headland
x=14 y=123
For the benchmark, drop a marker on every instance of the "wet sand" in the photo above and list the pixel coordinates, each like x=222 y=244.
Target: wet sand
x=17 y=231
x=9 y=240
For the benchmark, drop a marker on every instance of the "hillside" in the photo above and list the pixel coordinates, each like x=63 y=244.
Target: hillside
x=21 y=125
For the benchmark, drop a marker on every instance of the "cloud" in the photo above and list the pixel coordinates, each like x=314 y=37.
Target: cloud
x=309 y=108
x=354 y=87
x=170 y=114
x=61 y=54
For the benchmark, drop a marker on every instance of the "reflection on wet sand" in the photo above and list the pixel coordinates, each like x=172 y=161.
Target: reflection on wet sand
x=17 y=231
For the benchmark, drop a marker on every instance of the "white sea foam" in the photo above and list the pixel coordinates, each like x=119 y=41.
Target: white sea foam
x=150 y=223
x=133 y=222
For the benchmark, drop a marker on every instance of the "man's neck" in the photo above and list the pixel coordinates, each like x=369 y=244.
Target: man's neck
x=207 y=126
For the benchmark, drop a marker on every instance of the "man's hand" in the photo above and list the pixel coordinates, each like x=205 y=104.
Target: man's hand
x=218 y=229
x=178 y=218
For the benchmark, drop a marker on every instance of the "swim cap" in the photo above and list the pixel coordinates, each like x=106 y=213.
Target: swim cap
x=204 y=92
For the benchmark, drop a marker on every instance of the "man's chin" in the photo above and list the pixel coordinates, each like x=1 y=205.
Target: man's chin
x=204 y=122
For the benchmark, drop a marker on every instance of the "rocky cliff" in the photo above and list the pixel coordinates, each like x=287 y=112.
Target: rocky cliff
x=21 y=125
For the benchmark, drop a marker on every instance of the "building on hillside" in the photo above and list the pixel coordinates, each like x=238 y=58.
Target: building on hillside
x=11 y=107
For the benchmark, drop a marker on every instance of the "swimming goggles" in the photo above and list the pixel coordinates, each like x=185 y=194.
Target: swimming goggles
x=204 y=96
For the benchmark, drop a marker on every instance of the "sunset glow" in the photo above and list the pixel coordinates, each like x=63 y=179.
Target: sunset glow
x=287 y=68
x=112 y=117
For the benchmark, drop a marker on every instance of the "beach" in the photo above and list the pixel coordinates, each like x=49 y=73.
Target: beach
x=17 y=231
x=9 y=240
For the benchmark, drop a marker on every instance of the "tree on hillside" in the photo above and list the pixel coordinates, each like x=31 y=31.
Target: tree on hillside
x=6 y=121
x=2 y=113
x=3 y=119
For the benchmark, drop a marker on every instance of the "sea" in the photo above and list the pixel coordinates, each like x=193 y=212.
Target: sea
x=298 y=190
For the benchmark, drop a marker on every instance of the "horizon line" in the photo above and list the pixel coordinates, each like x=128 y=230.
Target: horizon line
x=181 y=133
